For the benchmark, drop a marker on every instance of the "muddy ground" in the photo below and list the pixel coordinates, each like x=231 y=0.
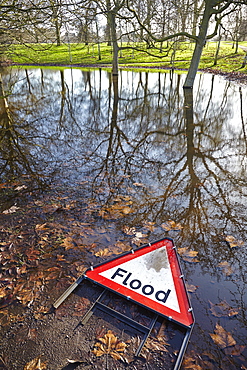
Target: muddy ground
x=47 y=240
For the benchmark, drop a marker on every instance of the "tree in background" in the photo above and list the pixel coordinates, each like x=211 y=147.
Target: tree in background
x=216 y=9
x=143 y=21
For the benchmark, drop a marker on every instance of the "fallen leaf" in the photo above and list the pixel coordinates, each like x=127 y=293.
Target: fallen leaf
x=109 y=344
x=149 y=225
x=118 y=209
x=138 y=238
x=20 y=187
x=196 y=361
x=81 y=307
x=188 y=255
x=222 y=309
x=140 y=185
x=75 y=361
x=60 y=257
x=41 y=227
x=222 y=338
x=234 y=351
x=12 y=209
x=40 y=312
x=171 y=225
x=233 y=242
x=126 y=210
x=129 y=230
x=35 y=364
x=120 y=247
x=103 y=252
x=68 y=243
x=226 y=268
x=189 y=363
x=191 y=288
x=156 y=344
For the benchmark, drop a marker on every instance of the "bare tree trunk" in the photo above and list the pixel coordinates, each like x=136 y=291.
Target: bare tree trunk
x=108 y=23
x=201 y=40
x=217 y=49
x=112 y=18
x=244 y=61
x=98 y=40
x=55 y=13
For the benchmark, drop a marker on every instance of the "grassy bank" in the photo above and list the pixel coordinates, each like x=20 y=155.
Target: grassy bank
x=178 y=57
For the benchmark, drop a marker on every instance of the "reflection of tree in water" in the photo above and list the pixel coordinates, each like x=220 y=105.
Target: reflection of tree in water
x=142 y=130
x=190 y=160
x=116 y=133
x=17 y=164
x=191 y=169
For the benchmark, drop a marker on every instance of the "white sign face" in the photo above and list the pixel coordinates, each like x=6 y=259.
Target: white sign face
x=149 y=275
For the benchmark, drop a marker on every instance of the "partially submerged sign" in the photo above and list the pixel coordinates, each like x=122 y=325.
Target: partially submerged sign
x=150 y=276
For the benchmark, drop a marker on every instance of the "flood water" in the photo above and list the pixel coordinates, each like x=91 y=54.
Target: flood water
x=134 y=154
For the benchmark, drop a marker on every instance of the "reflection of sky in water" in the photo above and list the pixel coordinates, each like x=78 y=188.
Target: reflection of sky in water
x=72 y=113
x=192 y=172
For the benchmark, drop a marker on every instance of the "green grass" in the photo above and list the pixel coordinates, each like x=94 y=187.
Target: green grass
x=88 y=55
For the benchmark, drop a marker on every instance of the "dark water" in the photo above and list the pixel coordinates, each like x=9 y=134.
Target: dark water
x=162 y=154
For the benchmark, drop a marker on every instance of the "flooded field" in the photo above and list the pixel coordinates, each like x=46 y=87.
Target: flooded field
x=92 y=167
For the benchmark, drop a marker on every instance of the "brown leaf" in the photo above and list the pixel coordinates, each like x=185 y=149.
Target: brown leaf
x=149 y=225
x=60 y=257
x=234 y=351
x=126 y=210
x=119 y=209
x=35 y=364
x=156 y=344
x=120 y=247
x=116 y=355
x=188 y=255
x=222 y=309
x=81 y=307
x=233 y=242
x=222 y=338
x=189 y=363
x=191 y=288
x=140 y=185
x=138 y=238
x=68 y=243
x=195 y=361
x=41 y=227
x=103 y=252
x=98 y=352
x=171 y=225
x=226 y=268
x=109 y=344
x=129 y=230
x=161 y=332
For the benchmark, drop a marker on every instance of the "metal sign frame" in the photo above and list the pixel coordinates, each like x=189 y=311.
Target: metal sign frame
x=146 y=330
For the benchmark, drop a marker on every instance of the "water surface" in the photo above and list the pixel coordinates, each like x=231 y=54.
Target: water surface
x=135 y=153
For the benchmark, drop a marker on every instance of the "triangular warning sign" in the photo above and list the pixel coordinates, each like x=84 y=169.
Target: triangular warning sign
x=150 y=276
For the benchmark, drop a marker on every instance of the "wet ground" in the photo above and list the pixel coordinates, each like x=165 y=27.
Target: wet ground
x=38 y=263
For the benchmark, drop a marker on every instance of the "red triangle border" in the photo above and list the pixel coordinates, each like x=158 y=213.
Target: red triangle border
x=184 y=317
